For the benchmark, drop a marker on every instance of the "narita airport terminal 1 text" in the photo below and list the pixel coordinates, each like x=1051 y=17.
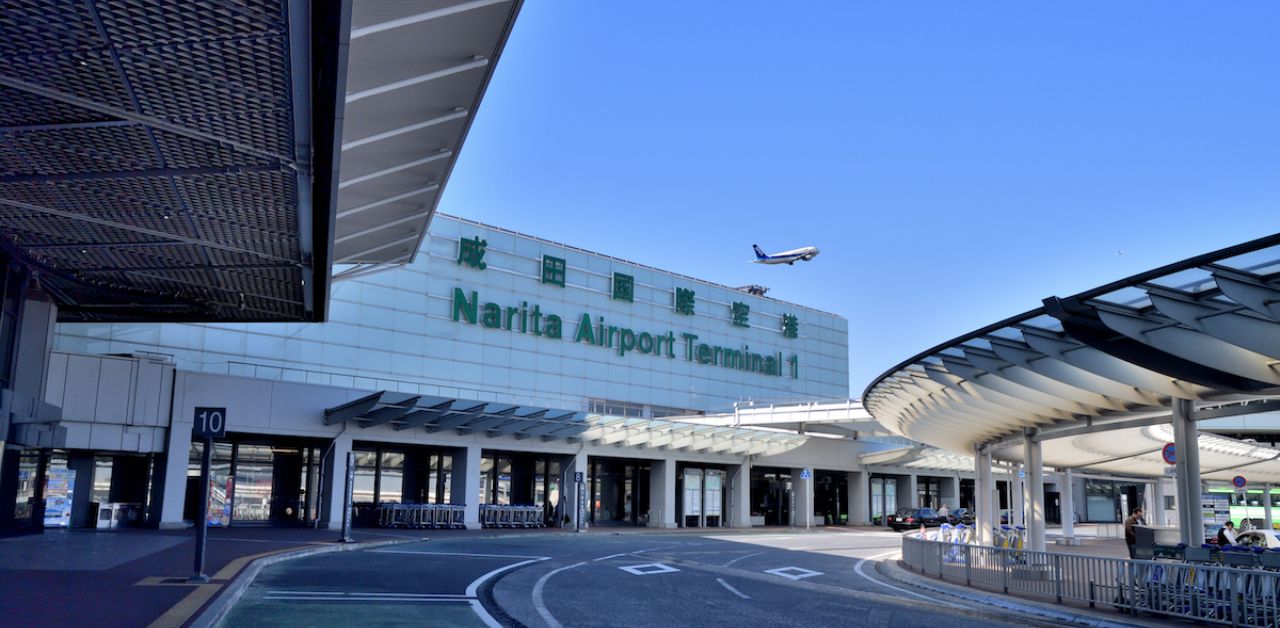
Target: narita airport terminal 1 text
x=526 y=319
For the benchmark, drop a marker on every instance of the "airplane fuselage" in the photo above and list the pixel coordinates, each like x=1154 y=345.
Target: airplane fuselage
x=803 y=254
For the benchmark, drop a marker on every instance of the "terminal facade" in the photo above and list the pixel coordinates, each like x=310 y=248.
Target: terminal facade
x=485 y=319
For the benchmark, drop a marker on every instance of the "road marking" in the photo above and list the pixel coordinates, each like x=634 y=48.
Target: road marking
x=648 y=569
x=539 y=605
x=186 y=607
x=474 y=588
x=733 y=590
x=794 y=573
x=327 y=596
x=858 y=568
x=388 y=551
x=647 y=549
x=608 y=557
x=742 y=557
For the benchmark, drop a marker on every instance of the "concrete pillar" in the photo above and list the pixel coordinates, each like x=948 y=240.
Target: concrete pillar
x=1034 y=484
x=570 y=465
x=335 y=478
x=466 y=483
x=1186 y=442
x=740 y=495
x=1157 y=509
x=178 y=448
x=983 y=489
x=1066 y=493
x=860 y=498
x=662 y=494
x=950 y=493
x=803 y=491
x=1266 y=507
x=905 y=492
x=1018 y=498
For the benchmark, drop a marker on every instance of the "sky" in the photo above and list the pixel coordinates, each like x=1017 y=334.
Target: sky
x=955 y=162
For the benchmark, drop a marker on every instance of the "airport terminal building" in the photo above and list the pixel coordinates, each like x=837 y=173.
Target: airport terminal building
x=490 y=370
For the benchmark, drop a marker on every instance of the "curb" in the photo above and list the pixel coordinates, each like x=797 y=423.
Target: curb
x=903 y=576
x=231 y=592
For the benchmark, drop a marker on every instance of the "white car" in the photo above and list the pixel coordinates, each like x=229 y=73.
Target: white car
x=1258 y=538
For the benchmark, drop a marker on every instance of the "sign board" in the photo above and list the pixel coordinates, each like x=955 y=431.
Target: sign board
x=693 y=492
x=210 y=423
x=59 y=487
x=712 y=487
x=1169 y=453
x=1238 y=481
x=1171 y=472
x=577 y=477
x=806 y=474
x=1022 y=473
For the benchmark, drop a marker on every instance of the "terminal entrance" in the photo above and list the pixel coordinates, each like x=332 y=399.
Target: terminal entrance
x=619 y=492
x=770 y=496
x=256 y=482
x=830 y=497
x=522 y=479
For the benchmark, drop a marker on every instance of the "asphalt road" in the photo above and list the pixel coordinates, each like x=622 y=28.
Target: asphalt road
x=730 y=579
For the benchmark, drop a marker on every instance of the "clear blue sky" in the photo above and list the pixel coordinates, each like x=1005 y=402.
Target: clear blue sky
x=955 y=162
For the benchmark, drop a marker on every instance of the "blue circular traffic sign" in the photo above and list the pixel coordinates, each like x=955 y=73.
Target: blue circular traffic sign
x=1238 y=481
x=1169 y=453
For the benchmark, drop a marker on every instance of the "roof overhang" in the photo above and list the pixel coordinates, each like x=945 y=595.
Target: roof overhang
x=1205 y=329
x=404 y=411
x=156 y=160
x=417 y=74
x=847 y=418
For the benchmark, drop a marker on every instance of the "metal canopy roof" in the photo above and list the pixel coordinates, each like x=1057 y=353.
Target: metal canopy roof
x=1136 y=451
x=417 y=72
x=1205 y=329
x=403 y=411
x=156 y=159
x=1131 y=451
x=843 y=418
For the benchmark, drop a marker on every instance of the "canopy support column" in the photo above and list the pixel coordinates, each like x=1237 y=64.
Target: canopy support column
x=1266 y=507
x=1066 y=495
x=1157 y=507
x=1185 y=439
x=983 y=518
x=1033 y=484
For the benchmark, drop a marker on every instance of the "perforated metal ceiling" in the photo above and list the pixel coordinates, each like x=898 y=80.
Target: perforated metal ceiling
x=155 y=158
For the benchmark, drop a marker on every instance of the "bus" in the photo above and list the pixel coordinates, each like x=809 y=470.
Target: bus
x=1248 y=504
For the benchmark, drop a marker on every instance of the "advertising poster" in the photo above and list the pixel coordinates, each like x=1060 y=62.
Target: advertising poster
x=58 y=490
x=221 y=496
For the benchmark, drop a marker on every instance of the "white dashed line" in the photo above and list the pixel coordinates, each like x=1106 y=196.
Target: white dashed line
x=743 y=557
x=733 y=590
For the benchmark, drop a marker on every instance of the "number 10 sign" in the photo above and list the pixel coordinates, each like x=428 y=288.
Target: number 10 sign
x=210 y=423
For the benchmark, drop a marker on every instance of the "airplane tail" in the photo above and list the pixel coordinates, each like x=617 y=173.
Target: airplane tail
x=759 y=254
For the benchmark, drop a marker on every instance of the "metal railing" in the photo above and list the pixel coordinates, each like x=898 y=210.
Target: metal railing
x=1209 y=593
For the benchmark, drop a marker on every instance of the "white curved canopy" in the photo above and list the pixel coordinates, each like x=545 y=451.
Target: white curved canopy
x=1205 y=329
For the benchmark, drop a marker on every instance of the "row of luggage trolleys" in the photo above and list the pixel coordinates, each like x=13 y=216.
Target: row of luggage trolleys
x=422 y=515
x=497 y=516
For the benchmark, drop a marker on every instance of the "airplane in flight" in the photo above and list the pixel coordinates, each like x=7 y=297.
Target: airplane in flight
x=786 y=257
